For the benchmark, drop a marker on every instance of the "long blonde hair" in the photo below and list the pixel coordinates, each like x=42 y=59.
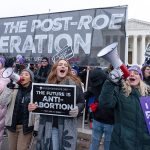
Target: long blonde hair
x=142 y=88
x=52 y=77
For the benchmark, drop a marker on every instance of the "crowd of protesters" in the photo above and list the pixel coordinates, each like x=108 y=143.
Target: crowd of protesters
x=112 y=106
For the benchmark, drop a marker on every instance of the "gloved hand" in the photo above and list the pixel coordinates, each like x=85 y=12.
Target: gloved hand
x=35 y=133
x=74 y=112
x=94 y=106
x=11 y=85
x=115 y=75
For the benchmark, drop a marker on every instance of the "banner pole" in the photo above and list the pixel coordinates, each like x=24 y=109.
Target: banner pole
x=86 y=86
x=126 y=38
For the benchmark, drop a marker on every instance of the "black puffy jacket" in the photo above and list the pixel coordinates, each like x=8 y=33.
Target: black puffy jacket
x=96 y=79
x=20 y=112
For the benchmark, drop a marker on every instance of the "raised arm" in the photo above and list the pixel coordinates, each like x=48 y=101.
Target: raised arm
x=108 y=96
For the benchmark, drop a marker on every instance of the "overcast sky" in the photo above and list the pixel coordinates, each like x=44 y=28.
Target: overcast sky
x=137 y=9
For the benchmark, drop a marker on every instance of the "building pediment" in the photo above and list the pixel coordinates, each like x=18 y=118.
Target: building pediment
x=135 y=24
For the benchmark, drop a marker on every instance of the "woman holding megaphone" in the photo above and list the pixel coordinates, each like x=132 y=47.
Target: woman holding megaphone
x=20 y=125
x=130 y=99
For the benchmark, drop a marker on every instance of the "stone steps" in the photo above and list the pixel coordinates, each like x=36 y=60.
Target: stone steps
x=84 y=139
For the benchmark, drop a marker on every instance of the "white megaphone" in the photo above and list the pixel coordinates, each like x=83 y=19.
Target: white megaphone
x=9 y=73
x=110 y=54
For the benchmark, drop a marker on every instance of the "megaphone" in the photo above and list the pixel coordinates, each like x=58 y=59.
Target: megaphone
x=110 y=54
x=9 y=73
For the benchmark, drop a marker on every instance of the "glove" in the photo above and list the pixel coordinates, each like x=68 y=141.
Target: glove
x=35 y=133
x=11 y=85
x=74 y=112
x=93 y=107
x=115 y=75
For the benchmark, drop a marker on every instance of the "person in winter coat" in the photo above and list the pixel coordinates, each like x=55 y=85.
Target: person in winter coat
x=4 y=98
x=3 y=81
x=60 y=132
x=42 y=73
x=130 y=130
x=103 y=118
x=20 y=125
x=146 y=73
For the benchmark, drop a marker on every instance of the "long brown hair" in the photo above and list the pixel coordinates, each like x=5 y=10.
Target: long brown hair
x=52 y=77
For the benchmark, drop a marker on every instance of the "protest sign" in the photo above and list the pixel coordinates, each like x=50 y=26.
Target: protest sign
x=147 y=51
x=145 y=104
x=147 y=55
x=65 y=53
x=53 y=99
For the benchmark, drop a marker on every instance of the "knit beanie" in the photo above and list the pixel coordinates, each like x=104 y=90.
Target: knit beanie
x=31 y=74
x=20 y=59
x=45 y=59
x=2 y=60
x=136 y=68
x=75 y=69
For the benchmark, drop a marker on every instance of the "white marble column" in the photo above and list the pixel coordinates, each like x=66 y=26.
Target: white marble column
x=142 y=50
x=111 y=39
x=134 y=52
x=148 y=41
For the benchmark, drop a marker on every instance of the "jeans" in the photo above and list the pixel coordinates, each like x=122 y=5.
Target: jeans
x=97 y=132
x=55 y=139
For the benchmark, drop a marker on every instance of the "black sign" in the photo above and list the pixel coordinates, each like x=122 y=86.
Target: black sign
x=147 y=51
x=53 y=99
x=65 y=53
x=85 y=31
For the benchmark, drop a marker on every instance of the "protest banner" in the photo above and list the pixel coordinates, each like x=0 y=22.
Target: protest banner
x=85 y=31
x=53 y=99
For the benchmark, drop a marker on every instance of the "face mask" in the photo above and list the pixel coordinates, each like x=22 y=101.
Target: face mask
x=18 y=66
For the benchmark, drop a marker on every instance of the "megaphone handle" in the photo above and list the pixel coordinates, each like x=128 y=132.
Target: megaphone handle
x=125 y=71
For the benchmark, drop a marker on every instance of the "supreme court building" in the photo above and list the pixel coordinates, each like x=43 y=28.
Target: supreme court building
x=138 y=33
